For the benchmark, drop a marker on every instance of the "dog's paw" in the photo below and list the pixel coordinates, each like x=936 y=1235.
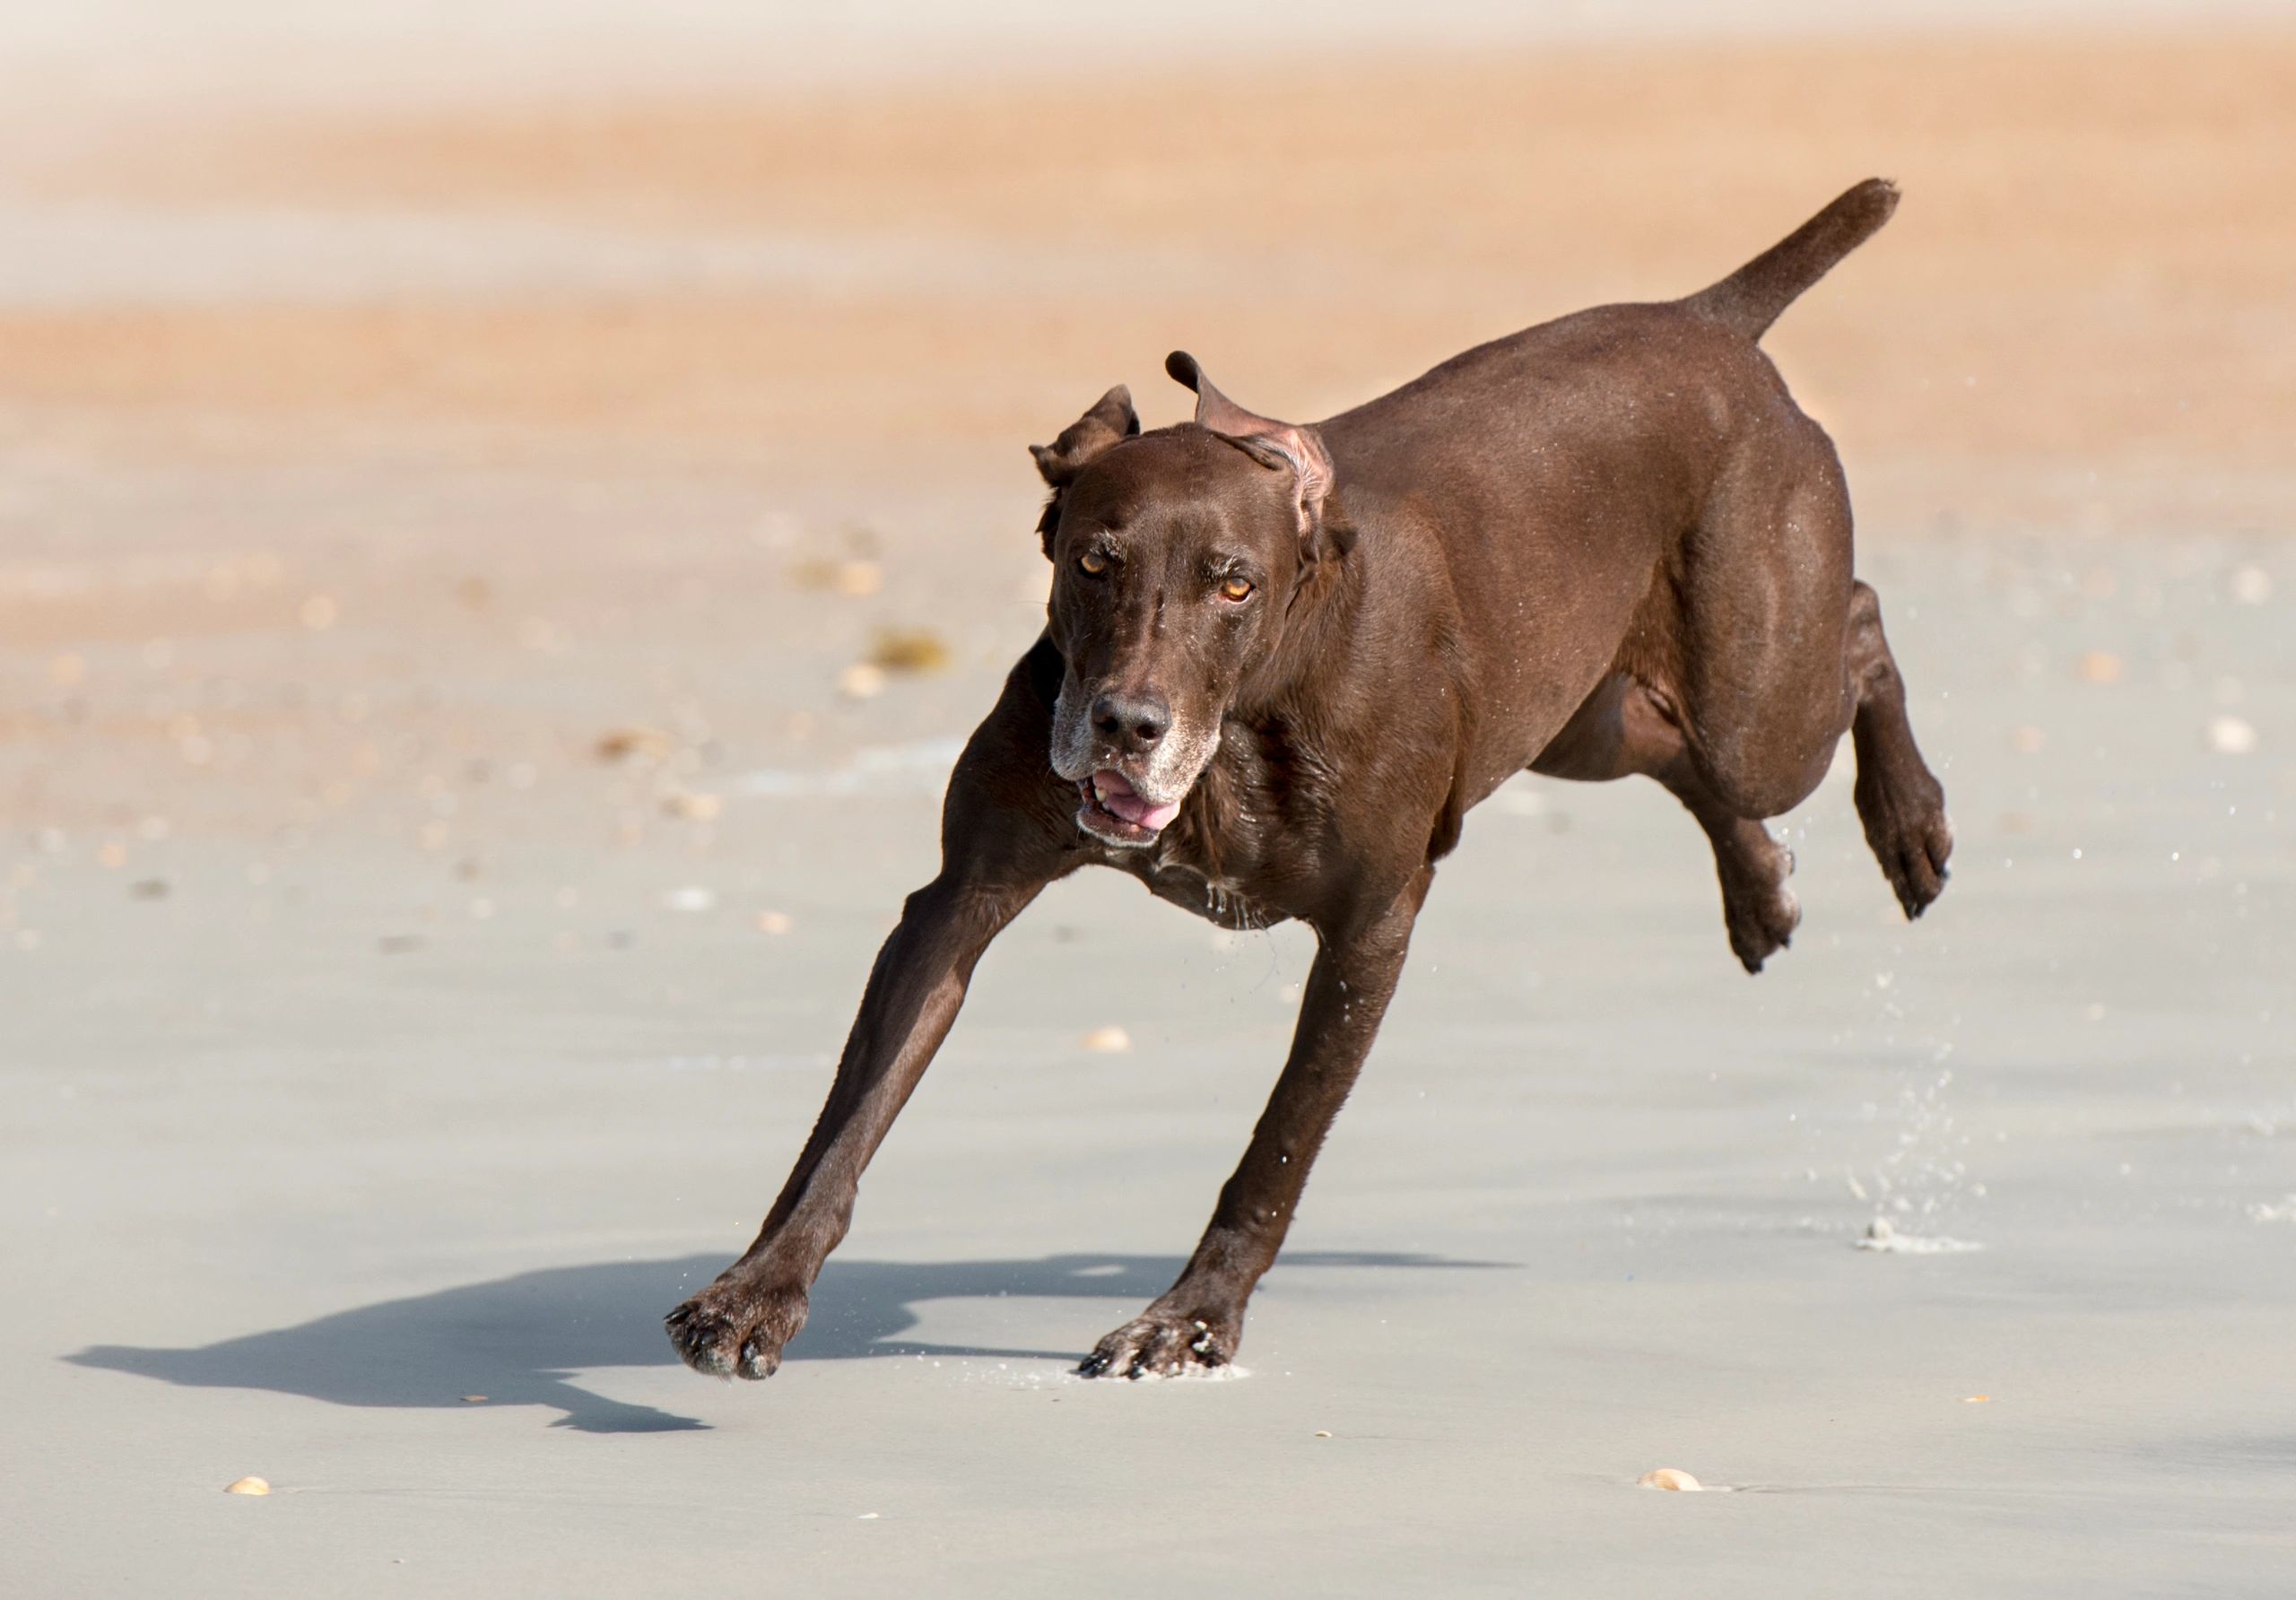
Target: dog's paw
x=736 y=1327
x=1917 y=868
x=1164 y=1344
x=1760 y=912
x=1906 y=827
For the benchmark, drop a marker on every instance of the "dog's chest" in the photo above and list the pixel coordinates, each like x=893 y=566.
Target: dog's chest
x=1214 y=898
x=1249 y=836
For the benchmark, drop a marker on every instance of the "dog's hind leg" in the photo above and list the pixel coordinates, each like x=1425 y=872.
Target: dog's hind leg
x=1781 y=652
x=1900 y=800
x=1625 y=728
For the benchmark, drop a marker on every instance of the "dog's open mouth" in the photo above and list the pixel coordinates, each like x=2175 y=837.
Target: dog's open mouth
x=1115 y=811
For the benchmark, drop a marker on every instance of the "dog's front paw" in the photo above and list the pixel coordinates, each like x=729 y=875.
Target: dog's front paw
x=1163 y=1344
x=737 y=1326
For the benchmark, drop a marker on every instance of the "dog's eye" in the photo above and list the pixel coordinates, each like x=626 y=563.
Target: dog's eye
x=1237 y=588
x=1093 y=562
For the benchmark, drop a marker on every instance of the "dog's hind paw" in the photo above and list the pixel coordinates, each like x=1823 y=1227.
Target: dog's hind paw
x=1913 y=842
x=1915 y=862
x=737 y=1329
x=1163 y=1344
x=1759 y=911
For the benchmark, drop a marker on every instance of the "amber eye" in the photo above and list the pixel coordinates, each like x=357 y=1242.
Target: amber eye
x=1237 y=588
x=1093 y=562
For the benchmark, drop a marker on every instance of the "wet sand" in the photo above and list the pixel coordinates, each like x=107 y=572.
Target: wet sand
x=440 y=862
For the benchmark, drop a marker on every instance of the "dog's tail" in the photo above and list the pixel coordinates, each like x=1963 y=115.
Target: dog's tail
x=1750 y=300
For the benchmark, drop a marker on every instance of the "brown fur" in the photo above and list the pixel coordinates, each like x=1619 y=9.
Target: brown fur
x=1609 y=544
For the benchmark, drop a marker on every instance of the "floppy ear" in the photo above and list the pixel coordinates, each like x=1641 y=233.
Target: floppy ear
x=1291 y=445
x=1110 y=422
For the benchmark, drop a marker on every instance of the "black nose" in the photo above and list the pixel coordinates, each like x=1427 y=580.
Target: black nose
x=1133 y=721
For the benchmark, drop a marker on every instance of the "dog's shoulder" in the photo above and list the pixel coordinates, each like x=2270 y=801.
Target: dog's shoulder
x=1003 y=797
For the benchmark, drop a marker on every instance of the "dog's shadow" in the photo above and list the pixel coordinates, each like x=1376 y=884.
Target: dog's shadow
x=517 y=1340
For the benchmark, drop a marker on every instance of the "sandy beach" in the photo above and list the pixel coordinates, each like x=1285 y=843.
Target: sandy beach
x=443 y=830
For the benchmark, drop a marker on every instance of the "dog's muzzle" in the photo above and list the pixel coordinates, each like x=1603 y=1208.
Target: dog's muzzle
x=1115 y=811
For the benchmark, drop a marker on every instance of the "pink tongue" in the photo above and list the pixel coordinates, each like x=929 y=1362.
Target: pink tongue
x=1124 y=801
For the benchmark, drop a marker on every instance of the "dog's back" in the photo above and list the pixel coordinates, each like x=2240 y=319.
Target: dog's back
x=1673 y=374
x=1556 y=472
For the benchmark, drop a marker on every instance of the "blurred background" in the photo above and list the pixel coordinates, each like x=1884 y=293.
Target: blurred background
x=508 y=508
x=499 y=369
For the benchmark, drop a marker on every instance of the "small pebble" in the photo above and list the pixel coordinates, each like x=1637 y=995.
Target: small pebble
x=2231 y=735
x=2102 y=666
x=909 y=650
x=1669 y=1477
x=2251 y=586
x=863 y=679
x=474 y=1399
x=774 y=922
x=857 y=579
x=248 y=1486
x=693 y=898
x=1109 y=1040
x=630 y=743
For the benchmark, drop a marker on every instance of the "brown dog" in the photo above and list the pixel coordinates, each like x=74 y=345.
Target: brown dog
x=1282 y=661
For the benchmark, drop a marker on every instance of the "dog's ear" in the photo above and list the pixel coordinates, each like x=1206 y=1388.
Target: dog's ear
x=1290 y=445
x=1108 y=423
x=1111 y=421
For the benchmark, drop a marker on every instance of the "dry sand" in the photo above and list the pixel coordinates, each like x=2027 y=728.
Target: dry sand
x=374 y=1041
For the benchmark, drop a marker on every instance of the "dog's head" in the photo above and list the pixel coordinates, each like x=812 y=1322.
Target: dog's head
x=1175 y=555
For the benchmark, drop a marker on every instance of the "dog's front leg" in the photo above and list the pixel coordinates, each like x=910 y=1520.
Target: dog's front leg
x=740 y=1323
x=1199 y=1321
